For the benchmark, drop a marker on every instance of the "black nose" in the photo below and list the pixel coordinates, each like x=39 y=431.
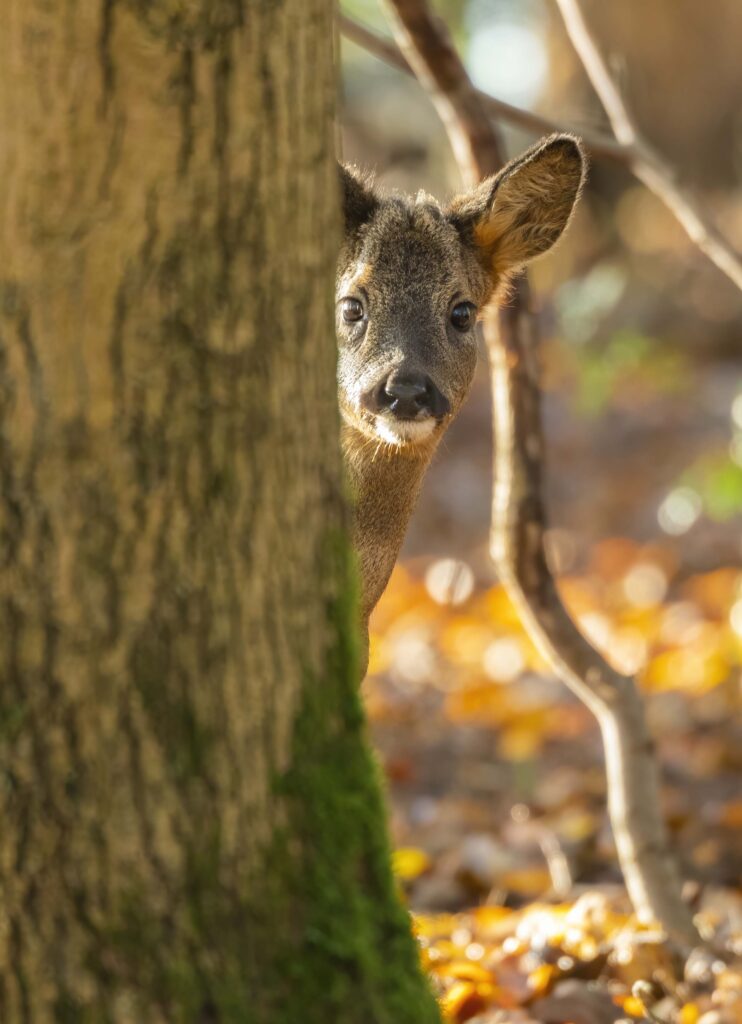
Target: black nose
x=409 y=396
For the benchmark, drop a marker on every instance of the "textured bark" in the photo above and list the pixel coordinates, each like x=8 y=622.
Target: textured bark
x=192 y=828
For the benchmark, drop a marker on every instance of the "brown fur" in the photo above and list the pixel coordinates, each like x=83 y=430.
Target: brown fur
x=410 y=261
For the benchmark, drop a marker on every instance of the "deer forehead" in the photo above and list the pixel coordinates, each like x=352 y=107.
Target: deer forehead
x=410 y=251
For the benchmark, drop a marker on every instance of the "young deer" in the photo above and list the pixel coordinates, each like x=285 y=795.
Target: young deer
x=412 y=278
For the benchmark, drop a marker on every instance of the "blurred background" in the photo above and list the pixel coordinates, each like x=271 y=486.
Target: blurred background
x=495 y=771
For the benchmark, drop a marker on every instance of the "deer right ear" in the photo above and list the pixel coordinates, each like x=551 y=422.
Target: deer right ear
x=520 y=213
x=358 y=198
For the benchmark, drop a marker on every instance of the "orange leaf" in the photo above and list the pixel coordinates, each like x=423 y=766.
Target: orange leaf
x=689 y=1014
x=526 y=881
x=466 y=970
x=462 y=1001
x=731 y=814
x=541 y=979
x=523 y=741
x=409 y=863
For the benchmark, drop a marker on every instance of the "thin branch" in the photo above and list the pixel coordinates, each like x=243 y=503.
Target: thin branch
x=597 y=72
x=519 y=519
x=647 y=165
x=428 y=50
x=644 y=163
x=598 y=144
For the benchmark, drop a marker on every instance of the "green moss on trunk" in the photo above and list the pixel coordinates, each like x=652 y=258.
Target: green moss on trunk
x=352 y=955
x=193 y=831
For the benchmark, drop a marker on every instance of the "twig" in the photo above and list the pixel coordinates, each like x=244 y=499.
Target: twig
x=599 y=144
x=644 y=163
x=597 y=72
x=519 y=520
x=557 y=861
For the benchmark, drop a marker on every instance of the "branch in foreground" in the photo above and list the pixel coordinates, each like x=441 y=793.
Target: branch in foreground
x=647 y=165
x=519 y=520
x=644 y=163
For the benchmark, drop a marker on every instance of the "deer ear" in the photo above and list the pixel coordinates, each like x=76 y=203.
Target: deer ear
x=520 y=212
x=358 y=198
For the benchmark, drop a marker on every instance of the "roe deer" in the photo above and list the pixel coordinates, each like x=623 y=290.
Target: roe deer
x=412 y=278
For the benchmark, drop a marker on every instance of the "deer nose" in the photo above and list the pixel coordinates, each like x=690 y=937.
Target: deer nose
x=408 y=396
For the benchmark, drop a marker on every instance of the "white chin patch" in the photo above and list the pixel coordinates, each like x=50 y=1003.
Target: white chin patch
x=401 y=432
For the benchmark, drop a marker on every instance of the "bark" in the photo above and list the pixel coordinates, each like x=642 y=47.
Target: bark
x=192 y=824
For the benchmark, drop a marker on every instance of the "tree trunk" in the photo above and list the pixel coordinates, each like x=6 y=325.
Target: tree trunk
x=192 y=829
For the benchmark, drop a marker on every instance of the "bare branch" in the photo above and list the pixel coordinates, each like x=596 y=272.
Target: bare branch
x=517 y=546
x=598 y=144
x=518 y=515
x=597 y=72
x=428 y=50
x=647 y=165
x=659 y=178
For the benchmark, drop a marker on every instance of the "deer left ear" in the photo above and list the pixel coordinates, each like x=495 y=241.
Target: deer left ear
x=521 y=212
x=359 y=201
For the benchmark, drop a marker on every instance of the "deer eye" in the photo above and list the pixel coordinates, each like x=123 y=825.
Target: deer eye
x=462 y=315
x=352 y=311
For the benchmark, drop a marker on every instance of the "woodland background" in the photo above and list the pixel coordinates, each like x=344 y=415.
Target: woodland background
x=494 y=770
x=193 y=830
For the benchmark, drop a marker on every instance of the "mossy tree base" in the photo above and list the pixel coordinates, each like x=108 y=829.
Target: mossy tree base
x=192 y=827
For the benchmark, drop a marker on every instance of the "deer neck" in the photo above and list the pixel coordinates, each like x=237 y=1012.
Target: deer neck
x=385 y=483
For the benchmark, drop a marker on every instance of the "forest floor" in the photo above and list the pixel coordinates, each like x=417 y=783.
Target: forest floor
x=502 y=844
x=503 y=847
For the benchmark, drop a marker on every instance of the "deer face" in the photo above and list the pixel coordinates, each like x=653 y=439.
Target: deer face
x=413 y=276
x=406 y=310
